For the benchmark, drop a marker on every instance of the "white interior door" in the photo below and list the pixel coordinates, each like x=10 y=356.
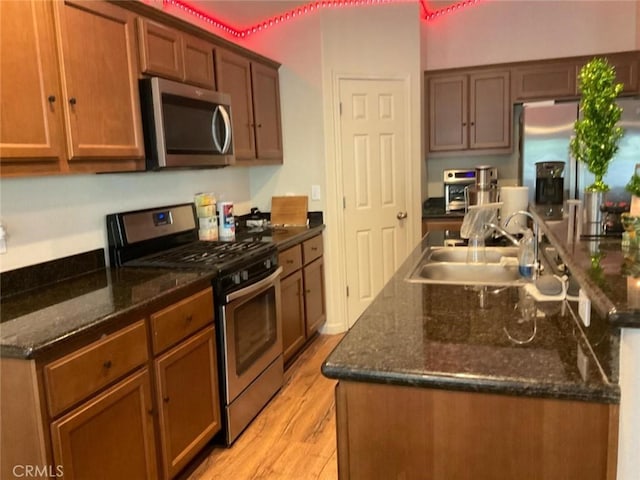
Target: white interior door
x=373 y=152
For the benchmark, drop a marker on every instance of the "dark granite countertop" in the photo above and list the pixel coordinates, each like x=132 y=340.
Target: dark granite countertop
x=608 y=273
x=37 y=320
x=437 y=336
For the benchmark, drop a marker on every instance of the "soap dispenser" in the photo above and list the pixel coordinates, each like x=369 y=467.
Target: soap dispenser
x=526 y=256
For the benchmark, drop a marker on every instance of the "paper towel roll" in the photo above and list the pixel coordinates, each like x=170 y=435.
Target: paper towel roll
x=513 y=200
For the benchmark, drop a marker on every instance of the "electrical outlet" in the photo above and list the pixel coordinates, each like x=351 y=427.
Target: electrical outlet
x=315 y=192
x=584 y=308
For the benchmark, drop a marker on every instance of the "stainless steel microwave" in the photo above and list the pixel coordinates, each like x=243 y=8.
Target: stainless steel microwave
x=185 y=126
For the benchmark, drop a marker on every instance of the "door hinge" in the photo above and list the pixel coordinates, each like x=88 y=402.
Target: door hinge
x=344 y=203
x=347 y=290
x=340 y=108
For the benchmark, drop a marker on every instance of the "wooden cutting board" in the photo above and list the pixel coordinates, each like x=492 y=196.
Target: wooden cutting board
x=290 y=210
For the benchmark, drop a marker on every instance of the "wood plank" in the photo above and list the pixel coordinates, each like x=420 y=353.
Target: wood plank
x=294 y=436
x=289 y=210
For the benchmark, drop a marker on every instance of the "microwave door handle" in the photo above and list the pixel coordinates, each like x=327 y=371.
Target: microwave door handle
x=214 y=131
x=227 y=128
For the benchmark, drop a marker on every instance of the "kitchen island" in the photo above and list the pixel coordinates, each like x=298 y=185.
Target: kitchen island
x=431 y=385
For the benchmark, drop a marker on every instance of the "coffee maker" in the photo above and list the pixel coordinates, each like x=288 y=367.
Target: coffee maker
x=550 y=189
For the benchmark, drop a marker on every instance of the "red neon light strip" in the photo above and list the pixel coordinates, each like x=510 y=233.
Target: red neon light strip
x=303 y=10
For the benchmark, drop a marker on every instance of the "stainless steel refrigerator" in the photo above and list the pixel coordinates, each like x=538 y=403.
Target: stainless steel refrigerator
x=546 y=129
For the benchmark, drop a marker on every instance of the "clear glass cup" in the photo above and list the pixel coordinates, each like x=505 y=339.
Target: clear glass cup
x=476 y=252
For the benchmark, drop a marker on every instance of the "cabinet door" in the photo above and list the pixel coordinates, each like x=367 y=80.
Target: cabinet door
x=448 y=113
x=266 y=110
x=544 y=82
x=110 y=436
x=293 y=323
x=198 y=62
x=314 y=296
x=160 y=49
x=489 y=110
x=102 y=112
x=31 y=139
x=187 y=399
x=233 y=73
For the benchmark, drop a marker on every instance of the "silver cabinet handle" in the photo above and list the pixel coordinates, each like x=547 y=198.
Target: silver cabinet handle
x=401 y=215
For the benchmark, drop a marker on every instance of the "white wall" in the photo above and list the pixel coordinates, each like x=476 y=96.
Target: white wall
x=56 y=216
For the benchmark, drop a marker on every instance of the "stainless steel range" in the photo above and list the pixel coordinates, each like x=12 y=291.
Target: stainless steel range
x=246 y=295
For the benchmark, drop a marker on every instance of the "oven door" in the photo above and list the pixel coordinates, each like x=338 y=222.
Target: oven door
x=252 y=328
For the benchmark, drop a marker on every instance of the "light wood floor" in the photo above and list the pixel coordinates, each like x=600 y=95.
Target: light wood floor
x=294 y=437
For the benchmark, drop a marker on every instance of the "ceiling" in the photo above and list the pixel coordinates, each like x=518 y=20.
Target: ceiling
x=245 y=13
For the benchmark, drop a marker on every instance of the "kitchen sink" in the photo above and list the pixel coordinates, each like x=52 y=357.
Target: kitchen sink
x=459 y=254
x=447 y=265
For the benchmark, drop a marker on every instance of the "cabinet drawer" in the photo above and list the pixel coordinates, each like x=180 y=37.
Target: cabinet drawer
x=312 y=249
x=290 y=260
x=181 y=319
x=81 y=373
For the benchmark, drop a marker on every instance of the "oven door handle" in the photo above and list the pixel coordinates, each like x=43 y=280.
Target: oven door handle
x=254 y=287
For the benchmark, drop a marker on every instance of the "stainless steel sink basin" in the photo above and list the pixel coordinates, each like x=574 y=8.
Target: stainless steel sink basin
x=488 y=274
x=459 y=254
x=447 y=265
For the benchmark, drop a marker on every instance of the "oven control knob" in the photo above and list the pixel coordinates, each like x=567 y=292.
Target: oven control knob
x=245 y=275
x=235 y=278
x=267 y=263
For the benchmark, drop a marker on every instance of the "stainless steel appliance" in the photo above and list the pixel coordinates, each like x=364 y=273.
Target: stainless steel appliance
x=185 y=126
x=546 y=129
x=455 y=182
x=246 y=295
x=550 y=188
x=485 y=188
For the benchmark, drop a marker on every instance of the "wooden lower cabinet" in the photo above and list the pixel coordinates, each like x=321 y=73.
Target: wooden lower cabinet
x=110 y=436
x=187 y=422
x=302 y=294
x=293 y=323
x=387 y=431
x=433 y=224
x=314 y=302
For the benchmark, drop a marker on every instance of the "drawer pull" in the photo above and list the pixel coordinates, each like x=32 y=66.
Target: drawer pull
x=307 y=291
x=165 y=399
x=314 y=249
x=107 y=364
x=189 y=318
x=289 y=262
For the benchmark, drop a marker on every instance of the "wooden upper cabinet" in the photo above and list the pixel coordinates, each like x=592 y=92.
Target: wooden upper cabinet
x=489 y=110
x=558 y=79
x=100 y=88
x=198 y=62
x=543 y=81
x=234 y=77
x=255 y=107
x=69 y=89
x=448 y=113
x=266 y=110
x=169 y=53
x=160 y=49
x=31 y=135
x=469 y=111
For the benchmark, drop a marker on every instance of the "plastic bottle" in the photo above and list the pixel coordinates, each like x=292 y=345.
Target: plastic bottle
x=526 y=255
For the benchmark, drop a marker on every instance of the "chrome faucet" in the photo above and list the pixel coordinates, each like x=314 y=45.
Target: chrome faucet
x=503 y=232
x=536 y=233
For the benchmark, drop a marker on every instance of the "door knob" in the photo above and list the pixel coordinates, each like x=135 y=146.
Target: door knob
x=401 y=215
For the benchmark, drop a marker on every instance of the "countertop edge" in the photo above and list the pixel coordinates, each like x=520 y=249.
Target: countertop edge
x=475 y=385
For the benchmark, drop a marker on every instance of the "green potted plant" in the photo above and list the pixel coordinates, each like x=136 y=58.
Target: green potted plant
x=596 y=131
x=633 y=187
